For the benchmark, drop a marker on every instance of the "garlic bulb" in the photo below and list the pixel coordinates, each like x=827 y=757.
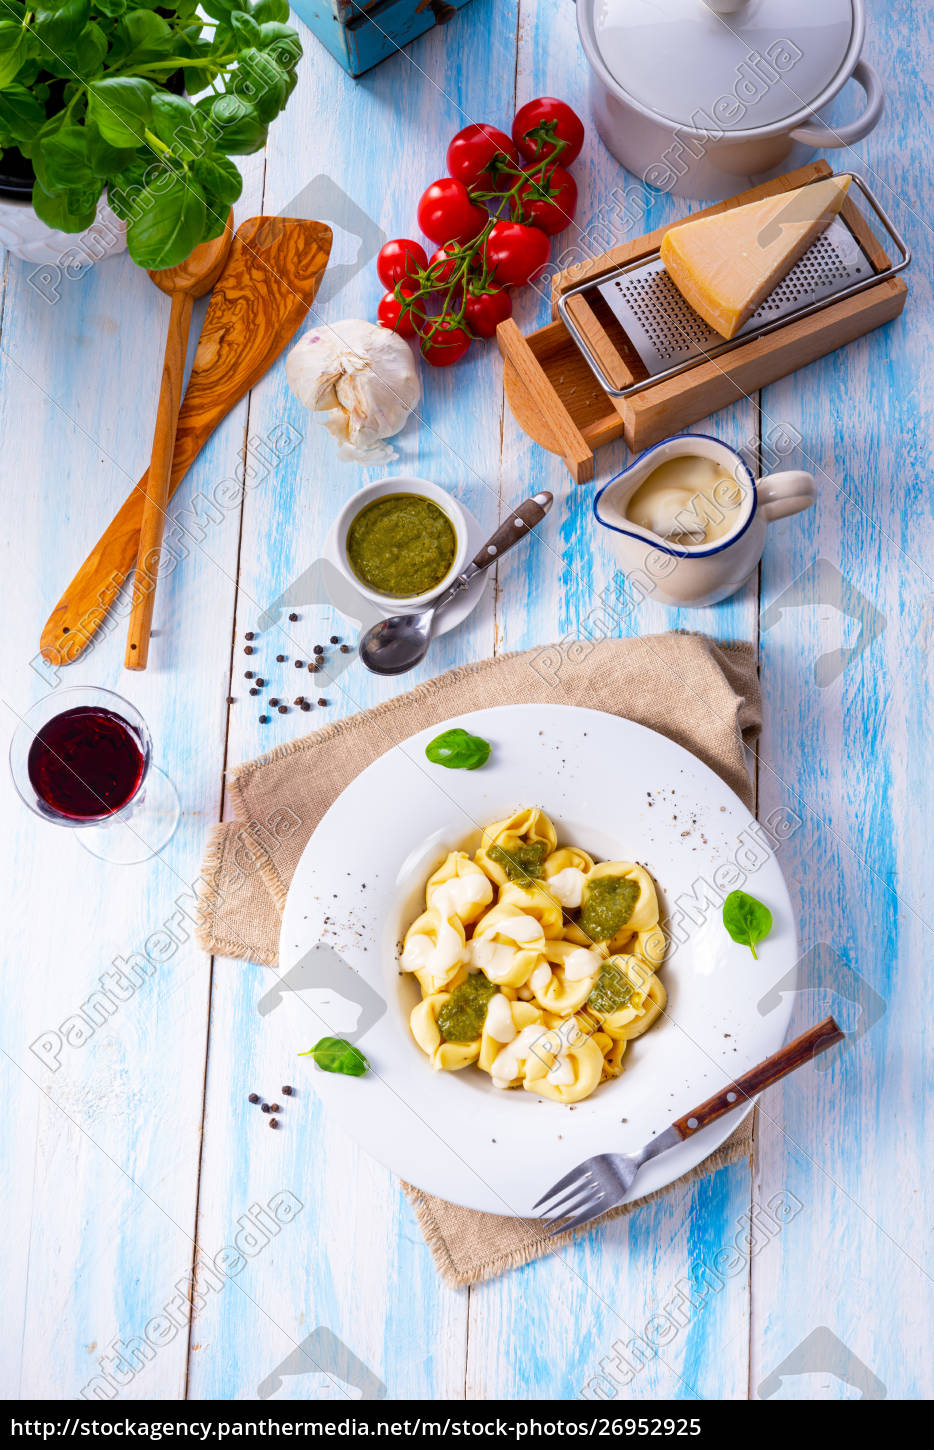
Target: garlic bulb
x=362 y=378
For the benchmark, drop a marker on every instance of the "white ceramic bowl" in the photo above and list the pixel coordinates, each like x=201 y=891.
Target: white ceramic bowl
x=400 y=483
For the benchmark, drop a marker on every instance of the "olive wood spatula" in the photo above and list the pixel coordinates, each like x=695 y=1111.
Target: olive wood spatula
x=271 y=278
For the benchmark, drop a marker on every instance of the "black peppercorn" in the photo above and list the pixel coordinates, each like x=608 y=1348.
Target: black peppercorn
x=274 y=1108
x=345 y=649
x=264 y=719
x=322 y=700
x=230 y=699
x=287 y=1091
x=280 y=659
x=293 y=617
x=335 y=639
x=266 y=1108
x=249 y=634
x=319 y=649
x=248 y=674
x=283 y=709
x=273 y=1122
x=254 y=690
x=299 y=664
x=254 y=1097
x=273 y=700
x=248 y=649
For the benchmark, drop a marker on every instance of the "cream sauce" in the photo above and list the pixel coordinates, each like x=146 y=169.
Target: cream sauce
x=689 y=501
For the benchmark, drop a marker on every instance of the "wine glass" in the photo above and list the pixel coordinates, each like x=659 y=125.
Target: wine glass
x=82 y=757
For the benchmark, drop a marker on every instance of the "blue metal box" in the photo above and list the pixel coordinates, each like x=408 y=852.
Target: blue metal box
x=361 y=33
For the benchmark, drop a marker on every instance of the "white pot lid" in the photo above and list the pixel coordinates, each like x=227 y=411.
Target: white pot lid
x=724 y=65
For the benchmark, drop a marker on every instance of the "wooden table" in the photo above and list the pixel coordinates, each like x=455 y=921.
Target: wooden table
x=127 y=1146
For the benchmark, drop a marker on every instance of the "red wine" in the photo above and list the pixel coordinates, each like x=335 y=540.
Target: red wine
x=86 y=763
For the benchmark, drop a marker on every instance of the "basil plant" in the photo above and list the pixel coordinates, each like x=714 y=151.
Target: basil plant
x=146 y=102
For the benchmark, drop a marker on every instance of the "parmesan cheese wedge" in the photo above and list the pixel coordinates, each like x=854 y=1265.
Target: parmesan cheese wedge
x=726 y=265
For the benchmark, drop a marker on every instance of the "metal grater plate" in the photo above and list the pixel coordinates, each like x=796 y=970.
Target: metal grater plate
x=666 y=331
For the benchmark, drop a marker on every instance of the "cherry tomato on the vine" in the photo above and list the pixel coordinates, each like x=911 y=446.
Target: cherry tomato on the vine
x=473 y=152
x=396 y=317
x=484 y=311
x=399 y=260
x=551 y=203
x=444 y=341
x=516 y=253
x=444 y=263
x=540 y=124
x=446 y=213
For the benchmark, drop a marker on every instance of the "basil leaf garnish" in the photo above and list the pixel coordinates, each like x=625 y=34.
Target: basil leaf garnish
x=458 y=750
x=746 y=919
x=334 y=1054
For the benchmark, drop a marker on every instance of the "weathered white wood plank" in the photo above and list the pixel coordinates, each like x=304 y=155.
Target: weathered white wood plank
x=102 y=1168
x=852 y=743
x=355 y=1243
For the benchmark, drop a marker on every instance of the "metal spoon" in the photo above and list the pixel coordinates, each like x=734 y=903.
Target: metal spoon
x=400 y=643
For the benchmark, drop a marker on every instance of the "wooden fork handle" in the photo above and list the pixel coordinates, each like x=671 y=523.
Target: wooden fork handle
x=152 y=524
x=796 y=1054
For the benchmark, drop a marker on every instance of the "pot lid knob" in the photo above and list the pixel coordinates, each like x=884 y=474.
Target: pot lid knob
x=726 y=7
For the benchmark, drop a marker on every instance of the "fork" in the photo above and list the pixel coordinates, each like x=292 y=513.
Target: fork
x=600 y=1183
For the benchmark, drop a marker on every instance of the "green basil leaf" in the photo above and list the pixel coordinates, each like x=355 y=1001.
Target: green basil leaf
x=245 y=28
x=260 y=77
x=21 y=113
x=106 y=160
x=746 y=919
x=177 y=122
x=121 y=107
x=168 y=221
x=271 y=10
x=334 y=1054
x=60 y=24
x=62 y=162
x=220 y=179
x=233 y=124
x=458 y=750
x=15 y=49
x=67 y=211
x=283 y=41
x=112 y=8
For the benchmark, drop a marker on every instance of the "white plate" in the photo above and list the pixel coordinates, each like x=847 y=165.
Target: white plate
x=618 y=790
x=354 y=605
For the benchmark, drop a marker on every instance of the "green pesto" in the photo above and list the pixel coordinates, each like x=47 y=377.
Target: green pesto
x=611 y=992
x=522 y=861
x=402 y=544
x=462 y=1016
x=608 y=904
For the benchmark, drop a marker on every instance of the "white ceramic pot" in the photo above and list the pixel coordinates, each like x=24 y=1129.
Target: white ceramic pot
x=701 y=98
x=401 y=484
x=23 y=234
x=704 y=575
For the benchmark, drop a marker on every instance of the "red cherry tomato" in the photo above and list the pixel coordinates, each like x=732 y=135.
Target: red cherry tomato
x=399 y=260
x=542 y=123
x=550 y=205
x=484 y=311
x=444 y=341
x=516 y=253
x=479 y=154
x=446 y=213
x=396 y=317
x=444 y=263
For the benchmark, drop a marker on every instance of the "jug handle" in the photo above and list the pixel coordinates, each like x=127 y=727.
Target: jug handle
x=782 y=494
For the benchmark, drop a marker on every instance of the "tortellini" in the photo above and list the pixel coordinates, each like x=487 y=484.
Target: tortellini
x=535 y=963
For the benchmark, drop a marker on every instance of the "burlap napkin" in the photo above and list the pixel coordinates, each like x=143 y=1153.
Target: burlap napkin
x=701 y=694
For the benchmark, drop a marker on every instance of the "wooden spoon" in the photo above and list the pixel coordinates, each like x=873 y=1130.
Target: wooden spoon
x=192 y=278
x=271 y=278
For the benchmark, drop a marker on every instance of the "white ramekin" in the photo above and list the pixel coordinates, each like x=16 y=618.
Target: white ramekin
x=400 y=483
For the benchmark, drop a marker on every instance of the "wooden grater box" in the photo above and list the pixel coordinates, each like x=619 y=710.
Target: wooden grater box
x=556 y=399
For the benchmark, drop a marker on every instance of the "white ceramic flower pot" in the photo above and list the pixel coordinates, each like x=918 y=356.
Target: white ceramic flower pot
x=26 y=236
x=700 y=98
